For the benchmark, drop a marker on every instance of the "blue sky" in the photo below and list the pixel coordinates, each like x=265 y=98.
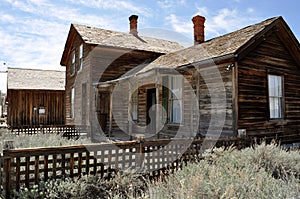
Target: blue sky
x=33 y=32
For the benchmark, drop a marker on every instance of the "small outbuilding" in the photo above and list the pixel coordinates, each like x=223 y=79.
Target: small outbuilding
x=35 y=97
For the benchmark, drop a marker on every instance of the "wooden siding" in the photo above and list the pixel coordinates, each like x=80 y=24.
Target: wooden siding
x=21 y=104
x=76 y=80
x=271 y=56
x=215 y=94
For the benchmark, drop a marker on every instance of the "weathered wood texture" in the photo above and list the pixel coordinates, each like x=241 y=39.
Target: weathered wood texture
x=99 y=64
x=26 y=167
x=214 y=88
x=24 y=105
x=271 y=56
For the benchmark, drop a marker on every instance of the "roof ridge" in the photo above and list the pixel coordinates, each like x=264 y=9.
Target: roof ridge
x=126 y=33
x=35 y=69
x=255 y=24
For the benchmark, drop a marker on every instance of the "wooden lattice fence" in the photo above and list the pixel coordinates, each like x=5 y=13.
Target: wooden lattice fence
x=25 y=167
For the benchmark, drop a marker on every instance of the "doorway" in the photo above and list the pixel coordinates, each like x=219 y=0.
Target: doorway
x=151 y=112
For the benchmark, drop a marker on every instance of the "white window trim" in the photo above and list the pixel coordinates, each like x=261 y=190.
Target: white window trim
x=72 y=103
x=279 y=98
x=73 y=63
x=80 y=57
x=172 y=99
x=134 y=105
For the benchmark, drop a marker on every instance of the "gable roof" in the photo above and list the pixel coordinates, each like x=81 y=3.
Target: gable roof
x=109 y=38
x=228 y=45
x=35 y=79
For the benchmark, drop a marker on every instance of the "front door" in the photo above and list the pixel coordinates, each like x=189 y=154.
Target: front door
x=151 y=110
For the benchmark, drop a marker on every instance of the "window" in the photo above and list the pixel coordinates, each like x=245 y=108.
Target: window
x=72 y=105
x=42 y=110
x=175 y=99
x=275 y=96
x=80 y=55
x=72 y=71
x=134 y=105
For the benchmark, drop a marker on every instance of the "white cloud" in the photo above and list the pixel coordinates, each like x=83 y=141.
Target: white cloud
x=178 y=25
x=121 y=6
x=226 y=20
x=168 y=5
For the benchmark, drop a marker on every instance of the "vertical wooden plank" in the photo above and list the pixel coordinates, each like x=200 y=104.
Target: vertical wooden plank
x=95 y=163
x=63 y=164
x=102 y=162
x=157 y=118
x=72 y=165
x=18 y=169
x=46 y=167
x=36 y=169
x=27 y=171
x=87 y=163
x=8 y=176
x=235 y=99
x=54 y=162
x=129 y=108
x=79 y=164
x=110 y=113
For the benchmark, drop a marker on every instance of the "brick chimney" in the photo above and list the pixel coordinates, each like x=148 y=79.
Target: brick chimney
x=198 y=29
x=133 y=25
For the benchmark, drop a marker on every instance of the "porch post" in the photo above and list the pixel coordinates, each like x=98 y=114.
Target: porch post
x=157 y=102
x=110 y=112
x=129 y=110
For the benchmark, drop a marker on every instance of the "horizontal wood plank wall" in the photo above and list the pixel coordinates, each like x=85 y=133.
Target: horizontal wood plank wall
x=270 y=55
x=212 y=82
x=76 y=80
x=21 y=106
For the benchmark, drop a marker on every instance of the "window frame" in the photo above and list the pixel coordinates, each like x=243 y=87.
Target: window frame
x=80 y=57
x=73 y=63
x=134 y=105
x=173 y=98
x=72 y=103
x=281 y=112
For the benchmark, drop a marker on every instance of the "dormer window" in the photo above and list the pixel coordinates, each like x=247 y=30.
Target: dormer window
x=72 y=70
x=80 y=56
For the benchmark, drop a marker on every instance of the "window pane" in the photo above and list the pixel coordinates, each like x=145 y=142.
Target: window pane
x=134 y=105
x=275 y=96
x=176 y=111
x=80 y=55
x=176 y=99
x=73 y=63
x=72 y=103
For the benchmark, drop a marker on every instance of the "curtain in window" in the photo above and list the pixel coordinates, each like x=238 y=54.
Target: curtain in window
x=275 y=96
x=134 y=105
x=176 y=99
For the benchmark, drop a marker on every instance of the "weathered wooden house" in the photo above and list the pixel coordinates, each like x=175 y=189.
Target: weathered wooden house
x=243 y=83
x=35 y=97
x=94 y=55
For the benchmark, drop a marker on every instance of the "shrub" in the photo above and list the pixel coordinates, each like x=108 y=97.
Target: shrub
x=121 y=185
x=41 y=140
x=265 y=171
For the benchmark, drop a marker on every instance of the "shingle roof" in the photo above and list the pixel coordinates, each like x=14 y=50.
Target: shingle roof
x=98 y=36
x=217 y=47
x=35 y=79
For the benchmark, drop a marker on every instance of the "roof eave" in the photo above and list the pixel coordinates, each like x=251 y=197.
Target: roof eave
x=68 y=44
x=211 y=61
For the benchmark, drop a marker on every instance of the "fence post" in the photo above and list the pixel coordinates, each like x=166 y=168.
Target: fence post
x=140 y=161
x=6 y=182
